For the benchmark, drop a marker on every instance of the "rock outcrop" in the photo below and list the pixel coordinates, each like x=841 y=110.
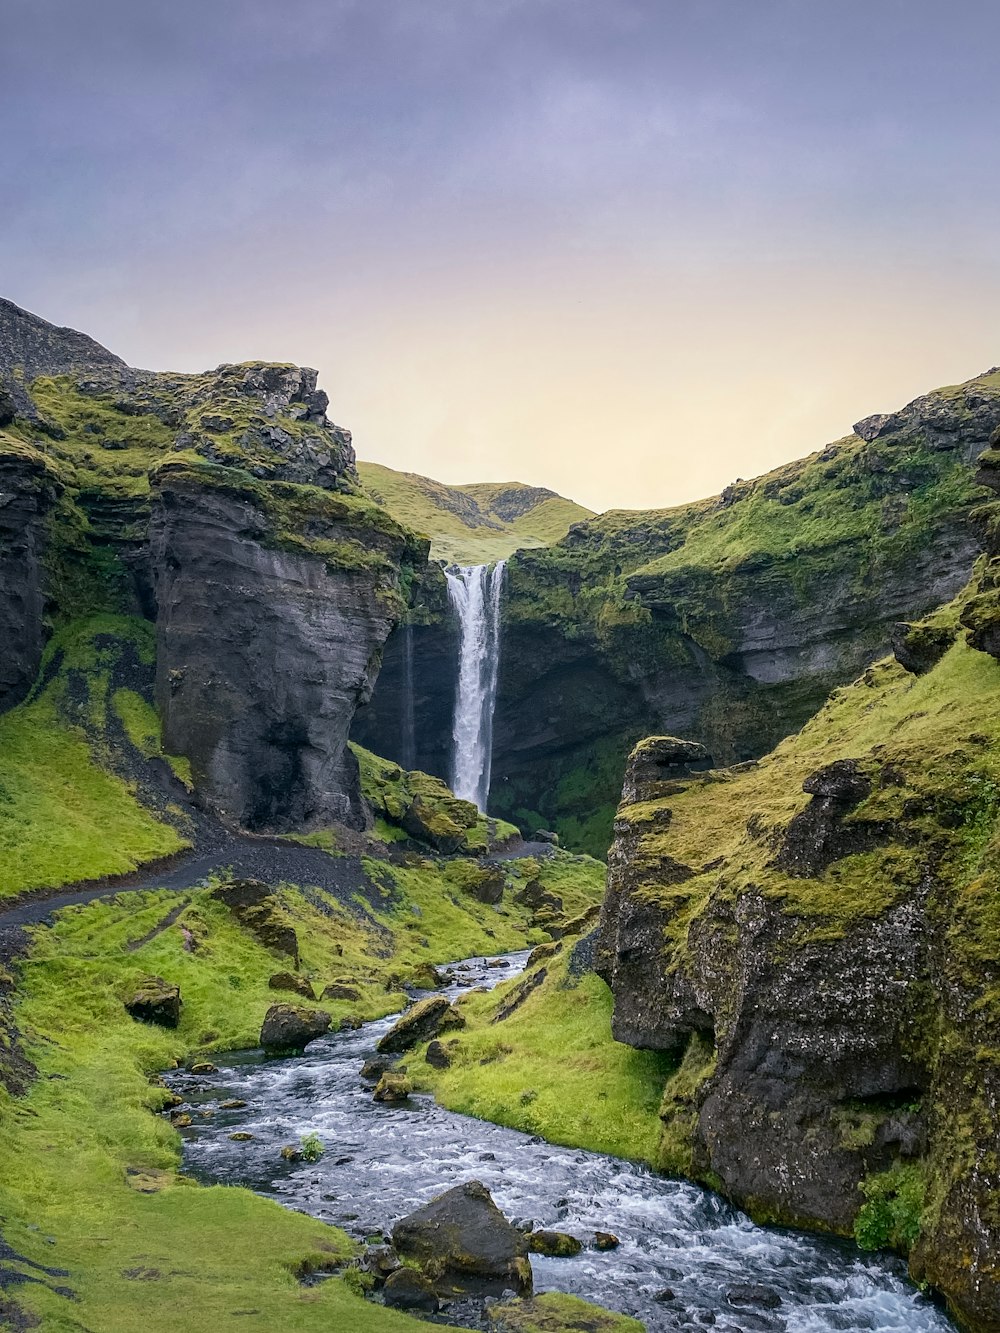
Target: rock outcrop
x=224 y=506
x=156 y=1001
x=814 y=939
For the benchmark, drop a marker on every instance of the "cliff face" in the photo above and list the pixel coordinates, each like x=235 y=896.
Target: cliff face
x=268 y=639
x=815 y=939
x=27 y=491
x=225 y=507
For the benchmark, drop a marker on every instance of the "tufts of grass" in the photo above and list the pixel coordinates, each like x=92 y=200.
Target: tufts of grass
x=587 y=1089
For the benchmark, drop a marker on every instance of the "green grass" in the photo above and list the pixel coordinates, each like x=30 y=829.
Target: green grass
x=184 y=1256
x=553 y=1069
x=65 y=814
x=200 y=1256
x=469 y=524
x=555 y=1312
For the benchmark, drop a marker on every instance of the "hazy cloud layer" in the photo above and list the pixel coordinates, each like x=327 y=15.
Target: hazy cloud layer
x=629 y=249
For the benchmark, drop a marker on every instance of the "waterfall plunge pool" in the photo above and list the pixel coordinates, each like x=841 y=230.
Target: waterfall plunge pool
x=682 y=1251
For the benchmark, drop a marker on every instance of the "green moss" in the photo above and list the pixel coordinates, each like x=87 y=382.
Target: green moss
x=555 y=1312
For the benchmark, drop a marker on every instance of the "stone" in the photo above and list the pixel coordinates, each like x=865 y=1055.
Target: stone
x=156 y=1001
x=232 y=1104
x=427 y=1018
x=605 y=1240
x=438 y=1056
x=340 y=990
x=541 y=952
x=258 y=909
x=241 y=1136
x=919 y=648
x=545 y=835
x=658 y=763
x=203 y=1067
x=463 y=1242
x=373 y=1069
x=289 y=1028
x=290 y=981
x=752 y=1294
x=554 y=1244
x=406 y=1289
x=392 y=1087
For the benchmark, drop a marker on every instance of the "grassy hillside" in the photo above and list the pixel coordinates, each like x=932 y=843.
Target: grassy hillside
x=476 y=523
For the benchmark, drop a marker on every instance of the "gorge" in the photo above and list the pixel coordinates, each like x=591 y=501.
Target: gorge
x=264 y=746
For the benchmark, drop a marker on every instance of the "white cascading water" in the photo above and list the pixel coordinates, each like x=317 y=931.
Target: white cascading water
x=474 y=592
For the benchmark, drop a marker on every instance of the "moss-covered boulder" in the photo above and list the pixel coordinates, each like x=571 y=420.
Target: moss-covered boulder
x=392 y=1087
x=463 y=1243
x=408 y=1289
x=555 y=1312
x=341 y=990
x=291 y=981
x=156 y=1001
x=258 y=910
x=289 y=1028
x=554 y=1244
x=427 y=1018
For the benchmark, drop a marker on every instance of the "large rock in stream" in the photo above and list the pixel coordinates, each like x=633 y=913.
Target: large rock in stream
x=463 y=1243
x=426 y=1019
x=289 y=1028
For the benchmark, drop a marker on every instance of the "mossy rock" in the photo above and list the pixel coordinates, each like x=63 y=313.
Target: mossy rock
x=428 y=1018
x=392 y=1087
x=289 y=1028
x=156 y=1001
x=555 y=1312
x=290 y=981
x=463 y=1243
x=554 y=1244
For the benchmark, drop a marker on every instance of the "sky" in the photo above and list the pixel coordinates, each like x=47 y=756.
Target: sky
x=627 y=249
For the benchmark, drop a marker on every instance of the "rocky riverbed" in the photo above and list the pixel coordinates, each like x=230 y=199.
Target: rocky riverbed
x=686 y=1259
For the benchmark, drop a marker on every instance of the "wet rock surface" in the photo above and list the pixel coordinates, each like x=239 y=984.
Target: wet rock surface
x=289 y=1028
x=463 y=1242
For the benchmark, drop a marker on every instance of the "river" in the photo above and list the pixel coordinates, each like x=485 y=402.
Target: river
x=683 y=1251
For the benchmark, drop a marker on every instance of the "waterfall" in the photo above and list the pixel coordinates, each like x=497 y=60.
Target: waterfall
x=409 y=740
x=474 y=592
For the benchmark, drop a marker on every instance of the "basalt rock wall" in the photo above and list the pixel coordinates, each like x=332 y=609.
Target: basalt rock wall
x=225 y=507
x=814 y=939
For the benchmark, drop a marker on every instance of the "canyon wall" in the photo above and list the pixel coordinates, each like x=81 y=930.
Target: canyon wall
x=226 y=508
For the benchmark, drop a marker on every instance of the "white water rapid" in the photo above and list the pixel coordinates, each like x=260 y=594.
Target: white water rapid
x=474 y=592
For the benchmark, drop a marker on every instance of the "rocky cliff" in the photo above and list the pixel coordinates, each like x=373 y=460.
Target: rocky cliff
x=814 y=939
x=727 y=621
x=225 y=507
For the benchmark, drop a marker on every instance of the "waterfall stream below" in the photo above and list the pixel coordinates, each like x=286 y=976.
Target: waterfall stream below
x=684 y=1252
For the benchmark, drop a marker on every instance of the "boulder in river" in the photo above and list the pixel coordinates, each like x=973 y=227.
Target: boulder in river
x=426 y=1019
x=463 y=1243
x=558 y=1313
x=554 y=1244
x=605 y=1240
x=753 y=1294
x=156 y=1001
x=289 y=1028
x=393 y=1088
x=373 y=1069
x=408 y=1289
